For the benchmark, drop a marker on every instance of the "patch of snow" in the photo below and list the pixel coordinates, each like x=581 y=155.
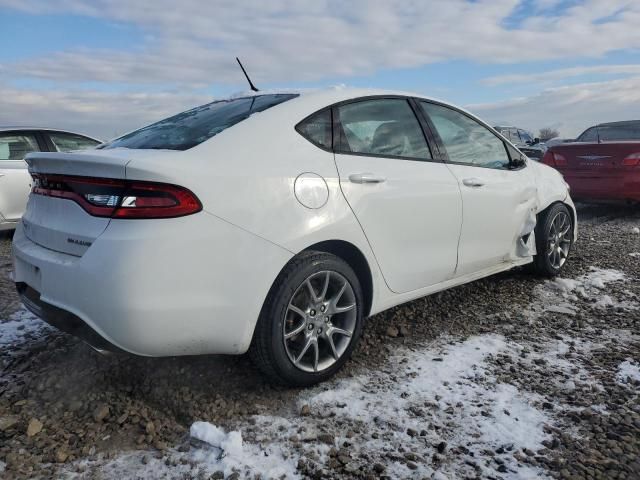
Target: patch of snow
x=561 y=295
x=605 y=301
x=229 y=454
x=19 y=326
x=628 y=371
x=219 y=451
x=456 y=388
x=599 y=277
x=600 y=408
x=446 y=392
x=566 y=284
x=634 y=254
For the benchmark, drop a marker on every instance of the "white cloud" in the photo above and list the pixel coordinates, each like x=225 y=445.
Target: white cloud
x=571 y=109
x=192 y=43
x=562 y=74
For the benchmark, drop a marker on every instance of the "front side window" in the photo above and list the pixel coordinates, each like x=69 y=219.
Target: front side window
x=317 y=128
x=385 y=127
x=15 y=146
x=67 y=142
x=467 y=141
x=190 y=128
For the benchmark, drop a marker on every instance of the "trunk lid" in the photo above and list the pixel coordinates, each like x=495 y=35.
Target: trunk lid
x=60 y=224
x=588 y=157
x=594 y=169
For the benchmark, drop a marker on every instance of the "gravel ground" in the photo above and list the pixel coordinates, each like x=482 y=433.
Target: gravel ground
x=509 y=377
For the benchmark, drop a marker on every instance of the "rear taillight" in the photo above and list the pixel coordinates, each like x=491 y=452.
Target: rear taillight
x=104 y=197
x=554 y=159
x=632 y=160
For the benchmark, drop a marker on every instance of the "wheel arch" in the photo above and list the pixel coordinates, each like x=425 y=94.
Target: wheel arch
x=356 y=260
x=570 y=207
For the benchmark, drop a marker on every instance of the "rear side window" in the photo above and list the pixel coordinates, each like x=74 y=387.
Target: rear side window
x=67 y=142
x=16 y=146
x=190 y=128
x=317 y=129
x=385 y=127
x=611 y=133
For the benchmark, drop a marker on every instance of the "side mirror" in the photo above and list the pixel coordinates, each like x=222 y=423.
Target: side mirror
x=517 y=162
x=536 y=140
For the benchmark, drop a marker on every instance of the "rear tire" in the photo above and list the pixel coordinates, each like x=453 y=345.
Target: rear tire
x=554 y=239
x=311 y=321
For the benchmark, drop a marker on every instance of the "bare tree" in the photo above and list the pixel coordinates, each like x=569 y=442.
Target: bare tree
x=547 y=133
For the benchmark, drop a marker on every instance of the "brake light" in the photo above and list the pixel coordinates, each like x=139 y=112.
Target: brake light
x=632 y=160
x=105 y=197
x=559 y=159
x=554 y=159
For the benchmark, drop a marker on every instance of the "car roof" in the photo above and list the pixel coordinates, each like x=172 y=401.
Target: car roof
x=313 y=100
x=30 y=128
x=618 y=124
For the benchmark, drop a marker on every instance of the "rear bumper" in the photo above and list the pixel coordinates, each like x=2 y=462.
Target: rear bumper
x=62 y=319
x=619 y=188
x=185 y=286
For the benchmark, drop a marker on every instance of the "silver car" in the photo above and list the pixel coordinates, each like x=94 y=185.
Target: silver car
x=15 y=143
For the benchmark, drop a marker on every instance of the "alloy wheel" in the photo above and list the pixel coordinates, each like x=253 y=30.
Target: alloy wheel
x=320 y=321
x=559 y=239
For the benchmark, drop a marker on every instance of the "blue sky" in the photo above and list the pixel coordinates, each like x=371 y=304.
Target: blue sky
x=106 y=66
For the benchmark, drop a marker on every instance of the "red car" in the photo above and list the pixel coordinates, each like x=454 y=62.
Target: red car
x=603 y=163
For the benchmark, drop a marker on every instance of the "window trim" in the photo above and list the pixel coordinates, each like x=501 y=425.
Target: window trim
x=336 y=120
x=445 y=155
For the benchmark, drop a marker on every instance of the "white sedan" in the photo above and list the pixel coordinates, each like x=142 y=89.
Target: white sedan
x=15 y=182
x=276 y=223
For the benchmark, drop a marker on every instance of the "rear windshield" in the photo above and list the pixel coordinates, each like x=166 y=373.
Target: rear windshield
x=629 y=131
x=190 y=128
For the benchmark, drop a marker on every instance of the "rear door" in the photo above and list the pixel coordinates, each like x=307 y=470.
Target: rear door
x=14 y=176
x=407 y=202
x=498 y=201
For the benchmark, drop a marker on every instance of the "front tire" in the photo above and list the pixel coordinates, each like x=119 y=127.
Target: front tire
x=311 y=320
x=554 y=239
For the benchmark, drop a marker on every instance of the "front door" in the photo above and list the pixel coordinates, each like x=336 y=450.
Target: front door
x=498 y=200
x=407 y=203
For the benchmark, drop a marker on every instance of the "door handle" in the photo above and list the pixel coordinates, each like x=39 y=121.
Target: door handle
x=366 y=178
x=473 y=182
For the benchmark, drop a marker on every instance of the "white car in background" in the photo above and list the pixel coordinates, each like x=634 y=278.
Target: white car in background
x=276 y=223
x=15 y=181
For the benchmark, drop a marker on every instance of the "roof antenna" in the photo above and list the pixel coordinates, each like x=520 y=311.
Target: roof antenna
x=253 y=87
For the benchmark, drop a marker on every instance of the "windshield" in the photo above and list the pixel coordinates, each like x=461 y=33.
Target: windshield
x=190 y=128
x=525 y=136
x=627 y=131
